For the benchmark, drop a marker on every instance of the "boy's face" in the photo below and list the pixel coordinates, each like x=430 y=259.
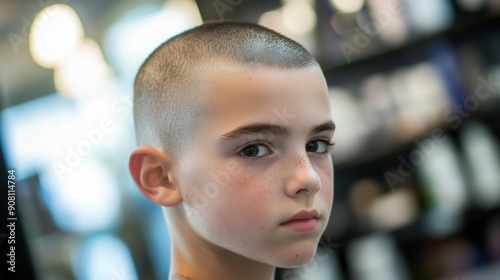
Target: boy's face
x=259 y=159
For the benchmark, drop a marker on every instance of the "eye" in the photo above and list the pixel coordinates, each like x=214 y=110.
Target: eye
x=319 y=146
x=254 y=151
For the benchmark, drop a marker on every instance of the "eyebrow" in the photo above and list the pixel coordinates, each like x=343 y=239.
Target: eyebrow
x=265 y=128
x=329 y=125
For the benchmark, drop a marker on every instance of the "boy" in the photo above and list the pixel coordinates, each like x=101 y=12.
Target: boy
x=234 y=126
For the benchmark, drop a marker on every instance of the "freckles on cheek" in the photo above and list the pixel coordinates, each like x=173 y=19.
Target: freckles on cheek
x=247 y=206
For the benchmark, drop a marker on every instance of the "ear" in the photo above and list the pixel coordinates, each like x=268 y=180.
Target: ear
x=152 y=171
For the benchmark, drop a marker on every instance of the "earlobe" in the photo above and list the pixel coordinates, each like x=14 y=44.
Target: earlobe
x=152 y=171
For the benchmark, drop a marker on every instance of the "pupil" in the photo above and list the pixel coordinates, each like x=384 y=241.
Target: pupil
x=251 y=151
x=312 y=146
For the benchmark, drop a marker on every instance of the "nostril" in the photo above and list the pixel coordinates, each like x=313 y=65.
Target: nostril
x=302 y=191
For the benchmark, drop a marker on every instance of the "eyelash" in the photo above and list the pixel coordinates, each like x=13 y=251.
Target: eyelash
x=329 y=146
x=239 y=154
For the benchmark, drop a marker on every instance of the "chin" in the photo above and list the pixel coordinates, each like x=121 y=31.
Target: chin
x=297 y=257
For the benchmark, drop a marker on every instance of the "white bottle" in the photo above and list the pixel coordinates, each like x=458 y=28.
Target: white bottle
x=483 y=162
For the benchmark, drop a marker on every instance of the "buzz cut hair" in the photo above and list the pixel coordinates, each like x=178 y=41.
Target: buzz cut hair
x=169 y=93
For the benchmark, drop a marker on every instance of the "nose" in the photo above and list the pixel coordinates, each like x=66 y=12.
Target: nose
x=303 y=179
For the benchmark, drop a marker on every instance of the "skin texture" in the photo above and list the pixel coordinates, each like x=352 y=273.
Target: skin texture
x=225 y=208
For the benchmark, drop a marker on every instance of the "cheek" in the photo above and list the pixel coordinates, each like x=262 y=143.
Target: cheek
x=228 y=206
x=327 y=189
x=327 y=194
x=245 y=203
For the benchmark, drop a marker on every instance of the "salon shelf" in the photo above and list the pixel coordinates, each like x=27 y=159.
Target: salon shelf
x=470 y=31
x=390 y=57
x=390 y=148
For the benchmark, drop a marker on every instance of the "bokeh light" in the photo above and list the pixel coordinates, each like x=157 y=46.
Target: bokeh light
x=347 y=6
x=55 y=33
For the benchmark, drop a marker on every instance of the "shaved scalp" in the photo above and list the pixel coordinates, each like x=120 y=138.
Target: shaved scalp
x=170 y=87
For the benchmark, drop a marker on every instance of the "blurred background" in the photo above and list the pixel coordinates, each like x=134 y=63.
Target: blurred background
x=415 y=90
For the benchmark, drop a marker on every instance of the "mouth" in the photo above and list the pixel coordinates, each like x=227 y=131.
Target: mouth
x=302 y=221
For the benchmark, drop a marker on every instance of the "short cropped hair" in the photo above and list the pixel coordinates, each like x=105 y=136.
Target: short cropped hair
x=168 y=93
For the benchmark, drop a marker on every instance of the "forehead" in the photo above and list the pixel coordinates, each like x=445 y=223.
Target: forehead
x=296 y=96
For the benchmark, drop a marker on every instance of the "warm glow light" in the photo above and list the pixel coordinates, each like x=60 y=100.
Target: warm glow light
x=188 y=8
x=296 y=19
x=394 y=210
x=299 y=17
x=55 y=32
x=347 y=6
x=273 y=20
x=388 y=20
x=83 y=71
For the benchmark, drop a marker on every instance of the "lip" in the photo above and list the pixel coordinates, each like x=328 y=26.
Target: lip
x=302 y=221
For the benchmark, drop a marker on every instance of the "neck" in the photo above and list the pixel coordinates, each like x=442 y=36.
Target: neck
x=193 y=258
